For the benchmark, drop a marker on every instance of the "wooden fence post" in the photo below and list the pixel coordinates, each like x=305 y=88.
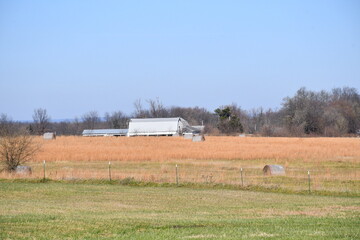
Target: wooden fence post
x=242 y=179
x=109 y=171
x=44 y=169
x=309 y=180
x=177 y=175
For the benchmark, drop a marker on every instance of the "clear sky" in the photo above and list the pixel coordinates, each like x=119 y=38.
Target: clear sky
x=72 y=57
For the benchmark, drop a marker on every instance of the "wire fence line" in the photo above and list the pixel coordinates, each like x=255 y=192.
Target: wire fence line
x=295 y=178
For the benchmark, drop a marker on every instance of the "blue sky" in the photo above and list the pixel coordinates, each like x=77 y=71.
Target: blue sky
x=72 y=57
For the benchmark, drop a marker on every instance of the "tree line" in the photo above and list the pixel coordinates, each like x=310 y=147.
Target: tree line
x=307 y=113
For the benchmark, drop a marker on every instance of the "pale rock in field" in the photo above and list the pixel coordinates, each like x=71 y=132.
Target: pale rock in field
x=24 y=170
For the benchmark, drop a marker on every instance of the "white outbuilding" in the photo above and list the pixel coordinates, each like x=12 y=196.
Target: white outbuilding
x=49 y=135
x=159 y=127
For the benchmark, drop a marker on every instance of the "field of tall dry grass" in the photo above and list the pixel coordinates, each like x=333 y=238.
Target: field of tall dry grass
x=334 y=163
x=214 y=148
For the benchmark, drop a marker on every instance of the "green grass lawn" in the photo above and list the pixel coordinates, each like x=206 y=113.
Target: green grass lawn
x=57 y=210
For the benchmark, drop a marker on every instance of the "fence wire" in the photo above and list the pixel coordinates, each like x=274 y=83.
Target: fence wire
x=295 y=178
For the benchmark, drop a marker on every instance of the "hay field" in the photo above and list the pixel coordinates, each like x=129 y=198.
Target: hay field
x=334 y=163
x=214 y=148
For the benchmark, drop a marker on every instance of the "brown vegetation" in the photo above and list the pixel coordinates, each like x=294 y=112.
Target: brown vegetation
x=334 y=163
x=214 y=148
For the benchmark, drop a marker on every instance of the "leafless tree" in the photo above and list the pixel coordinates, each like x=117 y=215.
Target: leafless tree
x=305 y=112
x=346 y=101
x=157 y=109
x=64 y=128
x=90 y=119
x=6 y=124
x=76 y=126
x=16 y=149
x=140 y=112
x=323 y=113
x=116 y=120
x=41 y=121
x=335 y=124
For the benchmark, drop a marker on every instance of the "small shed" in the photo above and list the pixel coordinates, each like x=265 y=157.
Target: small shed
x=49 y=135
x=198 y=138
x=274 y=170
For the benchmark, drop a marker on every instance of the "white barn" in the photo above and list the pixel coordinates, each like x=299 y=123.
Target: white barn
x=158 y=127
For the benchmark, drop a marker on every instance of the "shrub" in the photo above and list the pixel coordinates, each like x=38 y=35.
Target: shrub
x=16 y=149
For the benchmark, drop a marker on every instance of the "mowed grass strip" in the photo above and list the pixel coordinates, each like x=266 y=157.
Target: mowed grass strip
x=98 y=211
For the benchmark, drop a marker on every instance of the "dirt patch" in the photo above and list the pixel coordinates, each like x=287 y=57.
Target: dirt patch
x=199 y=236
x=263 y=235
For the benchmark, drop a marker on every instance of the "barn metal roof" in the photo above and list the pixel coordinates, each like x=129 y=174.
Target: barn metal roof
x=156 y=119
x=105 y=132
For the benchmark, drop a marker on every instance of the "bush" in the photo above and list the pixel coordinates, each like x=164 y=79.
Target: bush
x=16 y=149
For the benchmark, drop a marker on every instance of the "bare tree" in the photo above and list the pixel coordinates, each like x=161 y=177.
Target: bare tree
x=64 y=128
x=16 y=149
x=90 y=119
x=346 y=101
x=41 y=121
x=335 y=124
x=76 y=126
x=140 y=112
x=116 y=120
x=157 y=109
x=322 y=113
x=304 y=112
x=194 y=115
x=6 y=124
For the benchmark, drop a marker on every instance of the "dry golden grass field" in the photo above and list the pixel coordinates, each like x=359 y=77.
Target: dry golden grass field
x=214 y=148
x=334 y=163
